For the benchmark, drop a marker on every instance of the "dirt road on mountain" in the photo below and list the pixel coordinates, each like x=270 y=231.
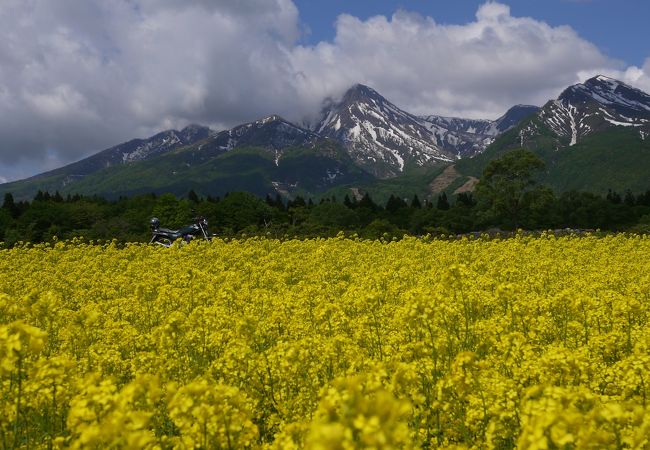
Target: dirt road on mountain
x=469 y=186
x=447 y=177
x=442 y=181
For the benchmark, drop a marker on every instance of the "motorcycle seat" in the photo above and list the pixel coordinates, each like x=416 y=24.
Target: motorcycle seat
x=172 y=234
x=168 y=231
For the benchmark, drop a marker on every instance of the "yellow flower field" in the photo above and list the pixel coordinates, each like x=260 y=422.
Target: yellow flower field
x=532 y=343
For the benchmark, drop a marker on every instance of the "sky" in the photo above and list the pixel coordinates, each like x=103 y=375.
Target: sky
x=79 y=76
x=617 y=27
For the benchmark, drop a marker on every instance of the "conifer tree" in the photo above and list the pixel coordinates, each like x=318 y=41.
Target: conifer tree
x=279 y=203
x=367 y=202
x=10 y=205
x=192 y=197
x=395 y=203
x=443 y=203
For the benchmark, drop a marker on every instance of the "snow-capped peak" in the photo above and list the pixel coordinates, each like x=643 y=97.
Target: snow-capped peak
x=378 y=135
x=611 y=92
x=268 y=119
x=468 y=137
x=595 y=105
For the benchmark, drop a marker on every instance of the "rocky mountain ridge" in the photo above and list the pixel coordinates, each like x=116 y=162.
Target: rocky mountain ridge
x=593 y=137
x=594 y=106
x=385 y=139
x=132 y=151
x=469 y=137
x=364 y=136
x=380 y=138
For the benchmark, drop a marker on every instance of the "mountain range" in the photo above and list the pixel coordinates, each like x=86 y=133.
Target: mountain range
x=594 y=136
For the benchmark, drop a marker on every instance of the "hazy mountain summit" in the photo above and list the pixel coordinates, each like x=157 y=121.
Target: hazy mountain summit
x=131 y=151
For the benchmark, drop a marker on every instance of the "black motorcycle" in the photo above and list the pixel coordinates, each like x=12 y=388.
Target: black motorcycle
x=166 y=237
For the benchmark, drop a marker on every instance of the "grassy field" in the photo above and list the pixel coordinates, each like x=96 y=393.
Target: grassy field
x=338 y=343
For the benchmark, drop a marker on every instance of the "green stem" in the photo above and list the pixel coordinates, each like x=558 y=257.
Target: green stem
x=20 y=391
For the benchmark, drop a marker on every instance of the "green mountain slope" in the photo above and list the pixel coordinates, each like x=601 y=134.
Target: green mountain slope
x=616 y=158
x=415 y=181
x=310 y=169
x=595 y=136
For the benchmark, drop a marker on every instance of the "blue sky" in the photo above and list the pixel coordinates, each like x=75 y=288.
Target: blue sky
x=620 y=28
x=80 y=76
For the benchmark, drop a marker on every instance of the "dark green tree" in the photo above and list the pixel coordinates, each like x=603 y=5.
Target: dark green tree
x=381 y=228
x=643 y=199
x=443 y=202
x=394 y=204
x=508 y=187
x=193 y=197
x=172 y=212
x=241 y=210
x=367 y=202
x=415 y=203
x=465 y=198
x=298 y=202
x=5 y=222
x=334 y=216
x=542 y=210
x=613 y=197
x=581 y=210
x=279 y=203
x=10 y=206
x=423 y=220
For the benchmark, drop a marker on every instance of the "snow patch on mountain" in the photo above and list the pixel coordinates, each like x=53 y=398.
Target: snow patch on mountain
x=623 y=124
x=597 y=104
x=378 y=135
x=385 y=139
x=272 y=133
x=152 y=147
x=468 y=137
x=609 y=91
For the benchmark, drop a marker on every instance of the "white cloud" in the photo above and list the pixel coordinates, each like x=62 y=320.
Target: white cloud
x=490 y=12
x=637 y=76
x=77 y=77
x=478 y=69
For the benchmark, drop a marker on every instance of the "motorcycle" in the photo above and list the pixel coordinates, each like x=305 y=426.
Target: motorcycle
x=166 y=237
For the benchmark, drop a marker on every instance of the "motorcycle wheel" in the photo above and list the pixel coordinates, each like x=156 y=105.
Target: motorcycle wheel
x=165 y=242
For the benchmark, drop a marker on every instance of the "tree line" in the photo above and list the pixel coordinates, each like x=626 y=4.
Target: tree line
x=506 y=198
